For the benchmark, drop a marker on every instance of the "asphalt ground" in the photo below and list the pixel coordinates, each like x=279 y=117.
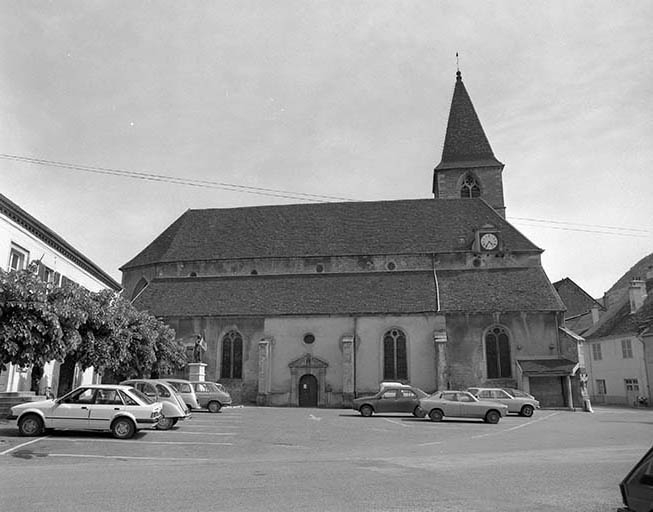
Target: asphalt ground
x=251 y=458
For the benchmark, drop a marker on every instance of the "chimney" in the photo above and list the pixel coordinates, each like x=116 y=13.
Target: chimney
x=595 y=315
x=649 y=280
x=636 y=294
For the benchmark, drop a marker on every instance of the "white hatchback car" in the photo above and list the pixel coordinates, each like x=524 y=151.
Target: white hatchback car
x=122 y=410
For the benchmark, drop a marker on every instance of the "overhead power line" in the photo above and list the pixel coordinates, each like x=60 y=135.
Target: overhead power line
x=304 y=196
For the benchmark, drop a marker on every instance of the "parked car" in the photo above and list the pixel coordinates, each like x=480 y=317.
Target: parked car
x=518 y=393
x=392 y=397
x=185 y=389
x=211 y=395
x=174 y=407
x=637 y=487
x=122 y=410
x=461 y=404
x=517 y=405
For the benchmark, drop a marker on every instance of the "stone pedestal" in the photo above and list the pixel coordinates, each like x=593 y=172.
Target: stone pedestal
x=196 y=371
x=264 y=372
x=347 y=370
x=440 y=341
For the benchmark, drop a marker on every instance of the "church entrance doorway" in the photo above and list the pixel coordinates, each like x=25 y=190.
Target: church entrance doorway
x=308 y=391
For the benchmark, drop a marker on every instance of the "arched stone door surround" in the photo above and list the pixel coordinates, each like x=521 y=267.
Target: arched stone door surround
x=308 y=365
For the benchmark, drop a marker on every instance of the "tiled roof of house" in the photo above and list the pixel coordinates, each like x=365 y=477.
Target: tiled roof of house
x=622 y=322
x=417 y=226
x=577 y=300
x=363 y=293
x=465 y=143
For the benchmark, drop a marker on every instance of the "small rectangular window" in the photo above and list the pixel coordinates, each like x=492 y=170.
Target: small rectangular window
x=596 y=352
x=631 y=385
x=600 y=387
x=626 y=349
x=18 y=258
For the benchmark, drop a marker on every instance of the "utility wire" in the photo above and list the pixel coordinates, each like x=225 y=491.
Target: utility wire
x=176 y=180
x=302 y=196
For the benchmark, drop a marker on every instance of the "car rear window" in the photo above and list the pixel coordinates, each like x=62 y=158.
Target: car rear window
x=142 y=396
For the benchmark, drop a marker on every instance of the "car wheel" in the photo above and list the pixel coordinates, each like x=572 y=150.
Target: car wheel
x=367 y=411
x=30 y=425
x=165 y=423
x=418 y=412
x=123 y=428
x=214 y=406
x=436 y=415
x=492 y=417
x=527 y=411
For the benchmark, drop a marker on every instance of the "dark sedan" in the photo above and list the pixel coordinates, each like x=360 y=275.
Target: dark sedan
x=402 y=399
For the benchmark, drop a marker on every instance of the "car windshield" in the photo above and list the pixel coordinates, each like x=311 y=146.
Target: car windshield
x=519 y=394
x=141 y=396
x=420 y=393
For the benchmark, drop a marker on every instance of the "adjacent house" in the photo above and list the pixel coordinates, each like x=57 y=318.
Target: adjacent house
x=24 y=239
x=619 y=348
x=314 y=304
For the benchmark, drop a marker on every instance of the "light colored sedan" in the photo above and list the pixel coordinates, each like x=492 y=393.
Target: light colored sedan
x=524 y=406
x=185 y=389
x=174 y=407
x=122 y=410
x=461 y=404
x=211 y=395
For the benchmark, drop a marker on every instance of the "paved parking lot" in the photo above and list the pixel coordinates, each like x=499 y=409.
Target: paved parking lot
x=249 y=458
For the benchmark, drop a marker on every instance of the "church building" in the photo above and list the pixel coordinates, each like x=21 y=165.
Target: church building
x=315 y=304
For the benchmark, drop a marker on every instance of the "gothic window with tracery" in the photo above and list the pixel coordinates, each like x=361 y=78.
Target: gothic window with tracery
x=395 y=362
x=497 y=352
x=470 y=187
x=232 y=356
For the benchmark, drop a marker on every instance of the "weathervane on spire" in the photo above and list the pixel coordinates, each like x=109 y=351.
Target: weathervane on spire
x=458 y=75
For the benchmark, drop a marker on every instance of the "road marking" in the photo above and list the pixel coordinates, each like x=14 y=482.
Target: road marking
x=395 y=422
x=429 y=444
x=131 y=441
x=518 y=426
x=122 y=457
x=206 y=433
x=23 y=444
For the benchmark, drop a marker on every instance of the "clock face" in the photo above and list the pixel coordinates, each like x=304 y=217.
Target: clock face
x=489 y=241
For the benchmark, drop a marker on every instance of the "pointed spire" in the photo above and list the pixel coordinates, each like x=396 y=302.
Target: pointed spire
x=465 y=143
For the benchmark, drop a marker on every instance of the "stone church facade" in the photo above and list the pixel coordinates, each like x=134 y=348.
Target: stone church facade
x=314 y=304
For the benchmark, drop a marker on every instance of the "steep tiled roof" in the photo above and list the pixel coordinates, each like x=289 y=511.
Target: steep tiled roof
x=417 y=226
x=364 y=293
x=620 y=321
x=465 y=143
x=577 y=300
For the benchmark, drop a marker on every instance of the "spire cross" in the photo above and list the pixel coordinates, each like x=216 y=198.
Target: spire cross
x=458 y=75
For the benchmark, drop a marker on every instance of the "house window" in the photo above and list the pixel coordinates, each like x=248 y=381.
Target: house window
x=395 y=362
x=632 y=386
x=600 y=387
x=497 y=353
x=626 y=349
x=470 y=187
x=17 y=258
x=232 y=356
x=596 y=351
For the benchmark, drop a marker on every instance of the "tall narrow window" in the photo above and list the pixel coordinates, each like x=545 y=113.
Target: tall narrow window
x=395 y=362
x=497 y=352
x=470 y=187
x=232 y=356
x=626 y=349
x=596 y=352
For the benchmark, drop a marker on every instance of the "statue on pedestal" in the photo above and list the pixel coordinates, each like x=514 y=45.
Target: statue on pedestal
x=199 y=349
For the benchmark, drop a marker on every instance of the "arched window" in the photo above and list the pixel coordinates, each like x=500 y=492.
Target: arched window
x=497 y=353
x=395 y=363
x=232 y=356
x=470 y=187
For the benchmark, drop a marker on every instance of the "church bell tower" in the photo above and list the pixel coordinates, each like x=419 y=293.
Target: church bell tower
x=468 y=167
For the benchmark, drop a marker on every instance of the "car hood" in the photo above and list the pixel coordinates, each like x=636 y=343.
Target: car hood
x=40 y=404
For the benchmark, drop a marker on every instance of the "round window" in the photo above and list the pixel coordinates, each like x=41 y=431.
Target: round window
x=309 y=338
x=319 y=268
x=391 y=265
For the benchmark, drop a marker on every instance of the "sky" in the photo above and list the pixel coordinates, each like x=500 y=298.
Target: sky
x=338 y=99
